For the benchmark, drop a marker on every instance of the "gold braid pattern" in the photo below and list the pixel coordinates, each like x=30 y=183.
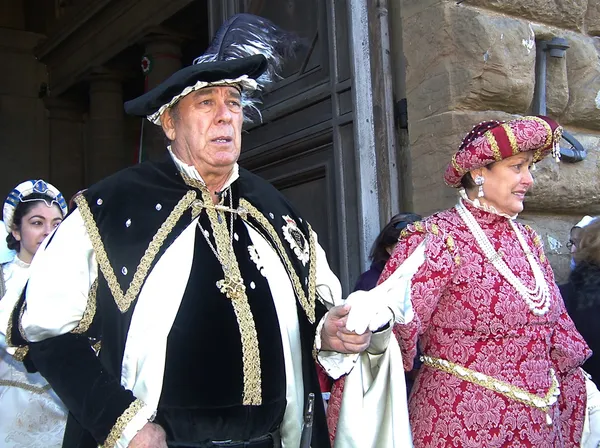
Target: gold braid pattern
x=494 y=145
x=9 y=328
x=514 y=146
x=115 y=433
x=20 y=353
x=40 y=390
x=123 y=301
x=90 y=311
x=498 y=386
x=537 y=242
x=459 y=169
x=233 y=287
x=308 y=304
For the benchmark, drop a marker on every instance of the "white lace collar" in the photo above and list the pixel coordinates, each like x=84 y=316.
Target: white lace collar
x=481 y=206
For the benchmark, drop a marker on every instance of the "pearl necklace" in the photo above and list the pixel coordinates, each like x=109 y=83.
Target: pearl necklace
x=538 y=298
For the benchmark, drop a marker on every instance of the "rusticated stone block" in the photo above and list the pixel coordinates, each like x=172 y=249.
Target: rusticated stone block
x=565 y=187
x=592 y=18
x=466 y=59
x=562 y=13
x=583 y=72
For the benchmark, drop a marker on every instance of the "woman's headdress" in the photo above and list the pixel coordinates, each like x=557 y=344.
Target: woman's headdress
x=493 y=141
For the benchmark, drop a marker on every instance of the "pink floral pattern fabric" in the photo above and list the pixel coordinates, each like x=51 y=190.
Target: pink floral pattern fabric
x=467 y=313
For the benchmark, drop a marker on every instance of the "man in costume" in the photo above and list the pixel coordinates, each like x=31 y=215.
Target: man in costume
x=198 y=282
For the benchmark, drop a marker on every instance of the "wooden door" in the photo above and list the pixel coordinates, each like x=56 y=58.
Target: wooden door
x=305 y=145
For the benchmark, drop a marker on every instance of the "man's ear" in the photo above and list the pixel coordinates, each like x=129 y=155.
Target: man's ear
x=168 y=124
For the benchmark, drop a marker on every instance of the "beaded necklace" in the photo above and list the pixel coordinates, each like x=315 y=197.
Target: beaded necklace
x=536 y=298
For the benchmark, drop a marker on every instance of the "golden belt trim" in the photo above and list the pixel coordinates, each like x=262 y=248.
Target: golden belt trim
x=499 y=386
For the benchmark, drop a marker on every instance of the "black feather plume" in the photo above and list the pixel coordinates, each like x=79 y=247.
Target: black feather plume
x=245 y=35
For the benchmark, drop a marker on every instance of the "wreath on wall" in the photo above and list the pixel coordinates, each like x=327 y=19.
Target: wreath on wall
x=147 y=63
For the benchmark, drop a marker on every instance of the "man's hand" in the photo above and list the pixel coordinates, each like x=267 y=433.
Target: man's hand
x=336 y=337
x=150 y=436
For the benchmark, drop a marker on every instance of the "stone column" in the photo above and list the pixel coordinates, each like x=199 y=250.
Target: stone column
x=106 y=153
x=65 y=122
x=165 y=53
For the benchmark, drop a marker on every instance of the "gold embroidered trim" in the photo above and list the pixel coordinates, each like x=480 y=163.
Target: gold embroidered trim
x=115 y=433
x=498 y=386
x=459 y=169
x=308 y=304
x=537 y=242
x=239 y=301
x=494 y=145
x=20 y=353
x=25 y=386
x=452 y=249
x=123 y=301
x=511 y=138
x=90 y=311
x=96 y=347
x=9 y=328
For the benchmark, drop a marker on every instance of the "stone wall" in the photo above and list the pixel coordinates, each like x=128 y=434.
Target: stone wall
x=474 y=60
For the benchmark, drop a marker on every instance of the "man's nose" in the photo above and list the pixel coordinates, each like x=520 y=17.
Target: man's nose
x=223 y=112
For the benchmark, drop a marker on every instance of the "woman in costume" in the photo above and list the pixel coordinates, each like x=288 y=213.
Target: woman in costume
x=501 y=356
x=30 y=412
x=582 y=292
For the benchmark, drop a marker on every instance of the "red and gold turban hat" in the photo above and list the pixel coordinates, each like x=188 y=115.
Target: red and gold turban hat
x=493 y=141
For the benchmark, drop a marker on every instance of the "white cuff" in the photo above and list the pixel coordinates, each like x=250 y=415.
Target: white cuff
x=335 y=364
x=139 y=420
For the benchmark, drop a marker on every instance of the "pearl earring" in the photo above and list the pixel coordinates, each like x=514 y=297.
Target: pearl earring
x=479 y=180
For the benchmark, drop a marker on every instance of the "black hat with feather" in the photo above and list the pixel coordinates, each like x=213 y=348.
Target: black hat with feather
x=248 y=51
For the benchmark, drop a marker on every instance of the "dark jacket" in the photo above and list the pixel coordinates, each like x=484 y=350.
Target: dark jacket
x=582 y=300
x=90 y=385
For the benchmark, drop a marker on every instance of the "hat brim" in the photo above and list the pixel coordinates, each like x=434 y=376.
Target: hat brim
x=153 y=100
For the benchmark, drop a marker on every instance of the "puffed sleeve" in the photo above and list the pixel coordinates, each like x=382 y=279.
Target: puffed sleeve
x=427 y=284
x=56 y=307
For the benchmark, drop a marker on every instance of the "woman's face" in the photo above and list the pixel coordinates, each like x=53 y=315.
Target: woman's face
x=36 y=225
x=506 y=183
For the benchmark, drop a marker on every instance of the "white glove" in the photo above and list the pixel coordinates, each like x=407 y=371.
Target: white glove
x=388 y=300
x=591 y=428
x=367 y=312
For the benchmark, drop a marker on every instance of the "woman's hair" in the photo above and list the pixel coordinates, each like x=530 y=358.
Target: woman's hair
x=589 y=244
x=21 y=210
x=390 y=234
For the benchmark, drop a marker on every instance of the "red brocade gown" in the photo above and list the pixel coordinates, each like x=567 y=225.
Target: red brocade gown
x=466 y=312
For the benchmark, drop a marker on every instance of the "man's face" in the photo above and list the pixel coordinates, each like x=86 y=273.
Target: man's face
x=205 y=128
x=574 y=238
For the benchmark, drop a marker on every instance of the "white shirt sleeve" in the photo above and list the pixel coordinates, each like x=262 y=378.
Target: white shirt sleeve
x=61 y=275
